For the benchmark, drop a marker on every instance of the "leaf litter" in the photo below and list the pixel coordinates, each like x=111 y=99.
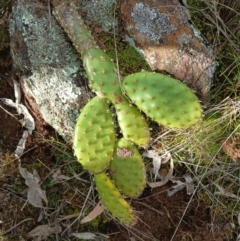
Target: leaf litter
x=157 y=161
x=99 y=208
x=35 y=193
x=58 y=177
x=27 y=121
x=42 y=232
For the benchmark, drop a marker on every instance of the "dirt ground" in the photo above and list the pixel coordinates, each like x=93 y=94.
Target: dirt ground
x=163 y=218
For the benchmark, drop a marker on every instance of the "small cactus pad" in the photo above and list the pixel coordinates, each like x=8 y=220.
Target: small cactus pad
x=101 y=74
x=74 y=26
x=113 y=200
x=94 y=136
x=133 y=125
x=166 y=100
x=127 y=169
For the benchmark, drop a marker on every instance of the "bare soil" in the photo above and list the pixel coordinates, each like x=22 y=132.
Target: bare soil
x=159 y=215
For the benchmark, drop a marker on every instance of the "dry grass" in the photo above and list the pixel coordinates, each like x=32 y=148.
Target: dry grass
x=200 y=147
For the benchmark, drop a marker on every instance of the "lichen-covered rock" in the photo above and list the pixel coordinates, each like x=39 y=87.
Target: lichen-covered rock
x=127 y=169
x=113 y=200
x=163 y=98
x=162 y=32
x=48 y=67
x=100 y=11
x=94 y=136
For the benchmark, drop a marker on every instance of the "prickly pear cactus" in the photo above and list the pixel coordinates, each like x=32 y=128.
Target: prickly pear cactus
x=113 y=200
x=101 y=73
x=103 y=79
x=133 y=125
x=127 y=169
x=94 y=136
x=165 y=99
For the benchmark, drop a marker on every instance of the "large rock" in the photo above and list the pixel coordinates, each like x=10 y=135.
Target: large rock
x=161 y=30
x=50 y=71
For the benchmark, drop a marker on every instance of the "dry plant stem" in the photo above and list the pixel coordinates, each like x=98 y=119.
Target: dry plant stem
x=25 y=220
x=116 y=51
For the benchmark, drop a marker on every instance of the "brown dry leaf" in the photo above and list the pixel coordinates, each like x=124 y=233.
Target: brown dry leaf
x=232 y=148
x=35 y=193
x=43 y=231
x=95 y=212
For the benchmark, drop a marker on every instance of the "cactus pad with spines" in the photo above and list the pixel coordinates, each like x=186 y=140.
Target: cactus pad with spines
x=94 y=136
x=113 y=200
x=101 y=74
x=133 y=125
x=163 y=98
x=127 y=169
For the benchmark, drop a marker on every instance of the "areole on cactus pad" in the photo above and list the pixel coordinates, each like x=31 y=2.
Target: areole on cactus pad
x=163 y=98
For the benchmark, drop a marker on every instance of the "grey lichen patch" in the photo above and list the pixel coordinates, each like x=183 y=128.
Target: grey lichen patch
x=150 y=23
x=101 y=11
x=48 y=66
x=185 y=39
x=42 y=37
x=183 y=14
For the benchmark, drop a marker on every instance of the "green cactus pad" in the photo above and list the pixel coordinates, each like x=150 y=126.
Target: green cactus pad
x=127 y=169
x=164 y=99
x=133 y=125
x=101 y=74
x=74 y=26
x=94 y=136
x=113 y=200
